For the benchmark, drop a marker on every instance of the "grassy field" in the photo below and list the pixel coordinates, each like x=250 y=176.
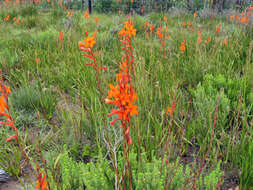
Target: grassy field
x=193 y=79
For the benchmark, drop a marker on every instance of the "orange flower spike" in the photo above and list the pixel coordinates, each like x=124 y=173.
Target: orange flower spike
x=89 y=42
x=37 y=60
x=86 y=14
x=199 y=36
x=195 y=15
x=131 y=31
x=69 y=14
x=165 y=19
x=17 y=21
x=41 y=183
x=182 y=47
x=218 y=30
x=231 y=17
x=159 y=33
x=61 y=35
x=146 y=24
x=172 y=108
x=244 y=19
x=225 y=42
x=2 y=104
x=209 y=40
x=151 y=29
x=96 y=20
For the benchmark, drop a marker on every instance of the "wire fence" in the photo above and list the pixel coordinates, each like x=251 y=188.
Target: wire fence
x=141 y=6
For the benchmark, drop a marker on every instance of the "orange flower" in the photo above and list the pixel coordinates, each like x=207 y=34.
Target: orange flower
x=244 y=19
x=159 y=33
x=231 y=17
x=96 y=20
x=7 y=18
x=171 y=109
x=218 y=30
x=41 y=183
x=3 y=105
x=225 y=42
x=250 y=8
x=165 y=19
x=61 y=35
x=151 y=29
x=195 y=15
x=189 y=24
x=69 y=14
x=17 y=21
x=199 y=36
x=182 y=47
x=86 y=14
x=128 y=29
x=146 y=24
x=236 y=17
x=37 y=60
x=209 y=40
x=131 y=1
x=89 y=42
x=119 y=12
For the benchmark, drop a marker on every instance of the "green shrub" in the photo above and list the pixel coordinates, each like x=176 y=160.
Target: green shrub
x=29 y=11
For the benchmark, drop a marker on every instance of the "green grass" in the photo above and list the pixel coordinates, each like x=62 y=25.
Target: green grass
x=62 y=91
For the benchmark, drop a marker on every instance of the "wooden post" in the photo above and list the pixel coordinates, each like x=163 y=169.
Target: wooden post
x=82 y=4
x=89 y=6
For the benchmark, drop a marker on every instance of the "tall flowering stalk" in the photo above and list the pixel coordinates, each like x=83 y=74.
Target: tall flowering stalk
x=86 y=46
x=123 y=96
x=5 y=110
x=60 y=38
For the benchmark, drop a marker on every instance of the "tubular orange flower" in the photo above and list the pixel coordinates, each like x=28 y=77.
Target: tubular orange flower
x=165 y=19
x=225 y=42
x=151 y=29
x=41 y=183
x=69 y=14
x=244 y=19
x=159 y=33
x=128 y=29
x=37 y=60
x=89 y=42
x=218 y=30
x=4 y=110
x=96 y=20
x=195 y=15
x=199 y=36
x=86 y=46
x=86 y=14
x=182 y=47
x=231 y=17
x=209 y=40
x=146 y=24
x=171 y=109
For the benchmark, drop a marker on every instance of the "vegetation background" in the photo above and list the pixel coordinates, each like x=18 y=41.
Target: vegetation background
x=192 y=72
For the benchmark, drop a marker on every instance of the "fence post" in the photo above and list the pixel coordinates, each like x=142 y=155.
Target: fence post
x=89 y=6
